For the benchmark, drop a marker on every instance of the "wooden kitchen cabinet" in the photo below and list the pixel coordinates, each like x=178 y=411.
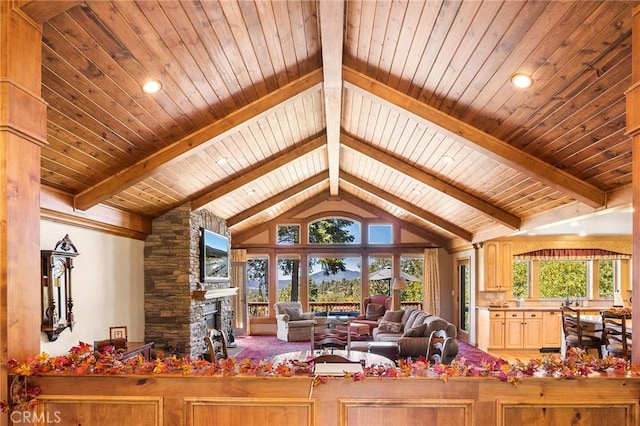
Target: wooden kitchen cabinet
x=498 y=266
x=496 y=330
x=532 y=330
x=551 y=329
x=513 y=336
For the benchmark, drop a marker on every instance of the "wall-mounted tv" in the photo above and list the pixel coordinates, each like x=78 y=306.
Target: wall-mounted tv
x=214 y=256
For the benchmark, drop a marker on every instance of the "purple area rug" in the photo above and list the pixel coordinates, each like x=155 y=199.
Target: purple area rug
x=260 y=347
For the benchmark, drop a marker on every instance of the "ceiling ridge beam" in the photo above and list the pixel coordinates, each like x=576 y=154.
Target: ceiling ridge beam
x=407 y=206
x=478 y=140
x=247 y=175
x=331 y=14
x=278 y=198
x=401 y=166
x=187 y=145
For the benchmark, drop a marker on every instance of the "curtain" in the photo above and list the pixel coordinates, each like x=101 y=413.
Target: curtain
x=431 y=282
x=238 y=268
x=571 y=254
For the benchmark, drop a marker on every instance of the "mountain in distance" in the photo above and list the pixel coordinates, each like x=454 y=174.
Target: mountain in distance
x=316 y=277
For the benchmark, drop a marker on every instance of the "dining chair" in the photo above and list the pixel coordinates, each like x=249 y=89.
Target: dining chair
x=437 y=346
x=616 y=336
x=575 y=333
x=216 y=346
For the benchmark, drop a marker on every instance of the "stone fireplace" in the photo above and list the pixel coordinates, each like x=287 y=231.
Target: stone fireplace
x=179 y=309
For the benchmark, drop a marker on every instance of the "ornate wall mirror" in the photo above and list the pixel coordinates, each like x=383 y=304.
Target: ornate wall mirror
x=57 y=303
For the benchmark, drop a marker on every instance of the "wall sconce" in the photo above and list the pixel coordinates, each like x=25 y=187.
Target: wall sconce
x=57 y=303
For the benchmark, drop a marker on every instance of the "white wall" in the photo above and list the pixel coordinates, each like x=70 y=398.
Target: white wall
x=108 y=285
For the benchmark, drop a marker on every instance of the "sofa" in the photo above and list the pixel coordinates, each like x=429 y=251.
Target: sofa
x=293 y=325
x=411 y=329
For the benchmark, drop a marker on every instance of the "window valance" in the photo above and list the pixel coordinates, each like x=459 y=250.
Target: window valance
x=571 y=254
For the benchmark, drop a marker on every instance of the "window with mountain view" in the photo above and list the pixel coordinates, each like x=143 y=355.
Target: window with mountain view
x=258 y=286
x=334 y=283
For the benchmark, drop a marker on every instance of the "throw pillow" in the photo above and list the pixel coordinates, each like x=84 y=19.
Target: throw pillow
x=374 y=311
x=294 y=314
x=417 y=331
x=393 y=316
x=308 y=315
x=392 y=327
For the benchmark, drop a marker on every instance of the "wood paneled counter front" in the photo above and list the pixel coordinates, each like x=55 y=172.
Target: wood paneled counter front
x=281 y=401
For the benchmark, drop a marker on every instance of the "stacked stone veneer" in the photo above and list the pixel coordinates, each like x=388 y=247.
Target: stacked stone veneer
x=173 y=318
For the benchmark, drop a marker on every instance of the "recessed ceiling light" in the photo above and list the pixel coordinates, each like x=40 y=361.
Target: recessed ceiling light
x=448 y=159
x=251 y=192
x=521 y=81
x=416 y=191
x=221 y=161
x=151 y=86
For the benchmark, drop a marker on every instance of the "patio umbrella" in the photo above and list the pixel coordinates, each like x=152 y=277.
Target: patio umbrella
x=385 y=274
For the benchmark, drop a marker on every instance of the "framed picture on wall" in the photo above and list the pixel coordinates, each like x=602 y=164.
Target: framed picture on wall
x=119 y=332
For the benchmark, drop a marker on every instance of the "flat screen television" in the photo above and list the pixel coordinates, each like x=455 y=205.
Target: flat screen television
x=214 y=256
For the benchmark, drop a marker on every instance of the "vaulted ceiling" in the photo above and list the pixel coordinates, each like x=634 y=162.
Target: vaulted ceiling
x=404 y=107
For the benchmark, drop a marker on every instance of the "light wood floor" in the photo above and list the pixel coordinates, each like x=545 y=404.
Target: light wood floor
x=513 y=355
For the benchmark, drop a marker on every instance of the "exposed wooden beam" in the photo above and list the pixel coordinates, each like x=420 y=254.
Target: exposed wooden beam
x=278 y=198
x=186 y=146
x=57 y=206
x=43 y=10
x=243 y=177
x=407 y=206
x=421 y=232
x=331 y=14
x=479 y=140
x=401 y=166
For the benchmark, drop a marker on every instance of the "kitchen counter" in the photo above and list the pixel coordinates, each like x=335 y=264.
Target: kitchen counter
x=540 y=308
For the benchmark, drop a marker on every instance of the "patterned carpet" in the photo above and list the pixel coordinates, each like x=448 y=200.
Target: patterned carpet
x=260 y=347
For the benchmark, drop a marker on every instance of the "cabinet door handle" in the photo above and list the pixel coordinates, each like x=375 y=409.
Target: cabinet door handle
x=533 y=315
x=514 y=315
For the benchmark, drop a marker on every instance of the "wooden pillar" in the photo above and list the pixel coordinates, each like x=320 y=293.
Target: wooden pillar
x=22 y=132
x=633 y=128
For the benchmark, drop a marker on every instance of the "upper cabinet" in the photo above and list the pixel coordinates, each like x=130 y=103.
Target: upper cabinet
x=497 y=266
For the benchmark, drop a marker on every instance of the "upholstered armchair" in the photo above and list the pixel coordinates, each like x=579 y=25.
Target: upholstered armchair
x=293 y=324
x=374 y=308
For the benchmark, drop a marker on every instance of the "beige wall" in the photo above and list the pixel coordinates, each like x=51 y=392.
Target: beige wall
x=108 y=285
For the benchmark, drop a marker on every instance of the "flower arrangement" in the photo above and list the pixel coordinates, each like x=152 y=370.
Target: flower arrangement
x=82 y=359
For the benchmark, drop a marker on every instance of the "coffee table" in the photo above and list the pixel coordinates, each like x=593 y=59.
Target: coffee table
x=369 y=359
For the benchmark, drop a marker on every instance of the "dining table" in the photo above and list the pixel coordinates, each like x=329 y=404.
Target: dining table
x=366 y=358
x=592 y=324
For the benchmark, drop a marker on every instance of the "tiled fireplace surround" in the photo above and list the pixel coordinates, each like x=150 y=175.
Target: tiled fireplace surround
x=175 y=300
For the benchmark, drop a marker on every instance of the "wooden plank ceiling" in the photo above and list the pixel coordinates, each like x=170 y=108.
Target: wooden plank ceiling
x=267 y=105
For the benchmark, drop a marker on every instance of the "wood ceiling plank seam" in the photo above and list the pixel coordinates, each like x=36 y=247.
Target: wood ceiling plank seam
x=498 y=87
x=258 y=42
x=213 y=72
x=172 y=178
x=119 y=146
x=393 y=26
x=363 y=115
x=420 y=49
x=189 y=54
x=67 y=173
x=282 y=117
x=292 y=121
x=380 y=34
x=437 y=36
x=263 y=136
x=513 y=33
x=483 y=22
x=365 y=33
x=299 y=33
x=284 y=38
x=573 y=130
x=407 y=34
x=453 y=103
x=165 y=188
x=93 y=53
x=248 y=57
x=455 y=38
x=83 y=92
x=210 y=194
x=600 y=139
x=319 y=118
x=218 y=60
x=61 y=141
x=429 y=149
x=312 y=34
x=352 y=119
x=380 y=120
x=198 y=168
x=276 y=133
x=550 y=65
x=450 y=190
x=373 y=112
x=139 y=58
x=238 y=76
x=481 y=141
x=352 y=13
x=411 y=147
x=542 y=64
x=309 y=114
x=574 y=108
x=278 y=198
